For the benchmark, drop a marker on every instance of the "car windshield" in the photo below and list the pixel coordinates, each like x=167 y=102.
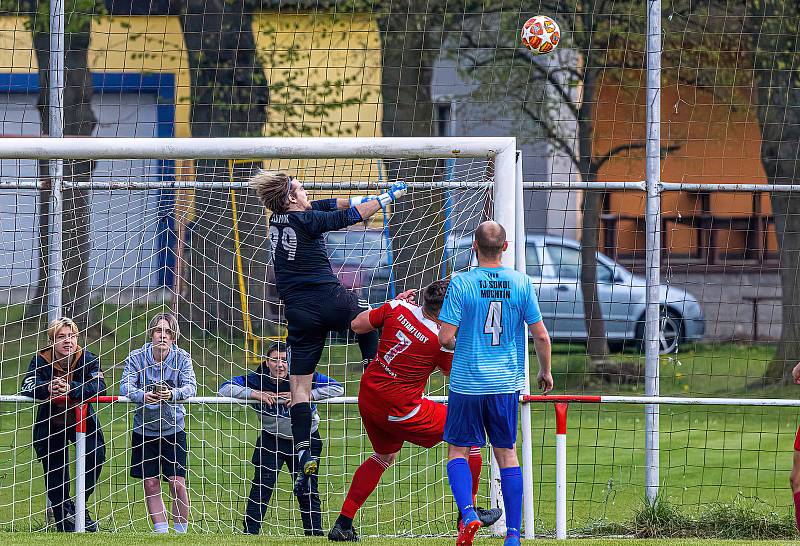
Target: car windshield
x=357 y=248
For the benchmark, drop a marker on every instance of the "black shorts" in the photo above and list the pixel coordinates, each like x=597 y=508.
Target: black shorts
x=154 y=456
x=310 y=320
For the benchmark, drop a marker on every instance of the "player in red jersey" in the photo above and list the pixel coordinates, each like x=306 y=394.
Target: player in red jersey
x=390 y=397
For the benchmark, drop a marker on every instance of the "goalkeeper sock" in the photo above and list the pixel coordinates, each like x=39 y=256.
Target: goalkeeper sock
x=475 y=463
x=797 y=509
x=458 y=475
x=511 y=486
x=365 y=480
x=301 y=429
x=368 y=343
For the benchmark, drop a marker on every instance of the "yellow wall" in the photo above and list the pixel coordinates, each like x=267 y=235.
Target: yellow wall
x=328 y=48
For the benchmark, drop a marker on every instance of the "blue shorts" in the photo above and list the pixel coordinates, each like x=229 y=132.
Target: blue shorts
x=471 y=416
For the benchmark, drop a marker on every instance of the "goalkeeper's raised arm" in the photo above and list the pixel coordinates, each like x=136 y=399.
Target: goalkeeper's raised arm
x=316 y=303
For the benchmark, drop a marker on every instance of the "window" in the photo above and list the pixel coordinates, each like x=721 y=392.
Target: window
x=605 y=274
x=532 y=265
x=443 y=112
x=566 y=261
x=356 y=248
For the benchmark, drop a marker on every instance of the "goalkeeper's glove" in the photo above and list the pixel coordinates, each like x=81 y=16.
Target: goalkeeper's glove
x=397 y=190
x=357 y=200
x=394 y=193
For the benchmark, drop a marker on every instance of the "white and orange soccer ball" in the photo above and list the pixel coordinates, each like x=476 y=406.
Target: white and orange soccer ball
x=540 y=34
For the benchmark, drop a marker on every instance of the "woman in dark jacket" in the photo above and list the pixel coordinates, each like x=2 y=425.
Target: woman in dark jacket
x=64 y=376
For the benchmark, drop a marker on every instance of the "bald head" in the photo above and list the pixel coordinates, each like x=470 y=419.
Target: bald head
x=490 y=239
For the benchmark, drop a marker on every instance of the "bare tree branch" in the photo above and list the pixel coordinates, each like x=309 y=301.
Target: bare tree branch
x=559 y=141
x=598 y=163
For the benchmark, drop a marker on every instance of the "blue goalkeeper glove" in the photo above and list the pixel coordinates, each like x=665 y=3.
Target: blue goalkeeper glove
x=357 y=200
x=394 y=193
x=397 y=190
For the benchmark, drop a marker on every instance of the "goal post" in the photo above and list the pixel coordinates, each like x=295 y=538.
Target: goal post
x=480 y=171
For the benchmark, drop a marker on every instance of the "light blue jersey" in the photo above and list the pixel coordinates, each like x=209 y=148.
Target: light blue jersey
x=490 y=306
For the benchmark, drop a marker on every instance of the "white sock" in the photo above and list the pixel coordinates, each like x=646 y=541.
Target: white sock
x=161 y=528
x=180 y=527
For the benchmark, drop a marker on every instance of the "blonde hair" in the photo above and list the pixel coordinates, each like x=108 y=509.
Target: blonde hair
x=172 y=321
x=273 y=189
x=58 y=324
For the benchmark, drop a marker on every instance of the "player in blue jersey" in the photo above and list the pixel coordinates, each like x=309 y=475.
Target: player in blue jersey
x=316 y=303
x=488 y=308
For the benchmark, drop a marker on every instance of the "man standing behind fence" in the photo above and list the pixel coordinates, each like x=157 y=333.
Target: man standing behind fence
x=158 y=377
x=488 y=307
x=66 y=375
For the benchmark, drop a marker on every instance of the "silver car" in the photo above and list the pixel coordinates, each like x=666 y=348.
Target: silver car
x=553 y=264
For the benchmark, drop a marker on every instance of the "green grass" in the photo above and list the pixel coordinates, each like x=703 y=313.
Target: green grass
x=710 y=456
x=131 y=539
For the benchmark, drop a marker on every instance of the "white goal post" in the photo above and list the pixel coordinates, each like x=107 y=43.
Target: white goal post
x=505 y=181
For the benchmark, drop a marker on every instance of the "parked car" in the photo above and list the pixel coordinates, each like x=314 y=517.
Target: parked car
x=553 y=264
x=360 y=259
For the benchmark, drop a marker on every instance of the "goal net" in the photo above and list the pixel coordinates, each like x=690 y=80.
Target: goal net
x=153 y=235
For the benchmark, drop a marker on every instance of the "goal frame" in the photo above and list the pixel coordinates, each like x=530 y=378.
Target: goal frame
x=507 y=187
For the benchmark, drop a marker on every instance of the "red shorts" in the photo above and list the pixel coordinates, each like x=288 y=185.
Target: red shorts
x=387 y=433
x=797 y=440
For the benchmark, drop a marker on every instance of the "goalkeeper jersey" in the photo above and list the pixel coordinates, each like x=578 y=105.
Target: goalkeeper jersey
x=490 y=306
x=298 y=248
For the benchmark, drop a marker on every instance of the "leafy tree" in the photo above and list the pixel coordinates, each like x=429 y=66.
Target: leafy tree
x=773 y=29
x=559 y=93
x=79 y=120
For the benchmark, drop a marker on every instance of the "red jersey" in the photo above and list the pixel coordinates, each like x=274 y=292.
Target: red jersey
x=408 y=353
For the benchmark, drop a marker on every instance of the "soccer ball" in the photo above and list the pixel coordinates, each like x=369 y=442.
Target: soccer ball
x=540 y=34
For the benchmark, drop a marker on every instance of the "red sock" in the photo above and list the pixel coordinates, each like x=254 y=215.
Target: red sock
x=475 y=463
x=365 y=480
x=797 y=509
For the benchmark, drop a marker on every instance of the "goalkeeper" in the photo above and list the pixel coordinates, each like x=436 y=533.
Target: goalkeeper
x=316 y=302
x=390 y=397
x=269 y=383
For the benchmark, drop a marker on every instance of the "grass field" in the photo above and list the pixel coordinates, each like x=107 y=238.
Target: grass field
x=130 y=539
x=709 y=454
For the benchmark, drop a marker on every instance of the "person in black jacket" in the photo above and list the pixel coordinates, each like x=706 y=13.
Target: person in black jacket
x=269 y=384
x=63 y=375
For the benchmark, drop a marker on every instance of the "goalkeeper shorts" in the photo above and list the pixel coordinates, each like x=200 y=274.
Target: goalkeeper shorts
x=310 y=320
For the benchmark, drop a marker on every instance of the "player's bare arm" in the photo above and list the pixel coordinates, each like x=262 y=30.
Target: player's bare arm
x=361 y=324
x=447 y=336
x=541 y=341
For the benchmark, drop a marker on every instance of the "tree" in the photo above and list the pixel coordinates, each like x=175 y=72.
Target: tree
x=772 y=27
x=79 y=120
x=229 y=98
x=230 y=95
x=411 y=37
x=559 y=93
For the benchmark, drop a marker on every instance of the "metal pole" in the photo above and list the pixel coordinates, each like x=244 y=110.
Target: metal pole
x=81 y=412
x=56 y=130
x=653 y=249
x=525 y=410
x=561 y=469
